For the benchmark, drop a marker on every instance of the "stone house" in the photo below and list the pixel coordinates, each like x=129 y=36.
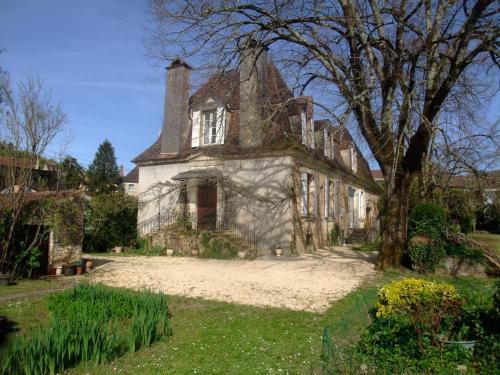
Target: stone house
x=243 y=155
x=130 y=182
x=55 y=222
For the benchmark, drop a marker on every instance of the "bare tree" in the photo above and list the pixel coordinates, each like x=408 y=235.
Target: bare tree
x=397 y=65
x=29 y=123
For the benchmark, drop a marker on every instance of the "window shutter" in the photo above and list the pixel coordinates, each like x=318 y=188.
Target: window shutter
x=305 y=195
x=326 y=141
x=303 y=123
x=195 y=133
x=316 y=195
x=327 y=197
x=335 y=189
x=221 y=125
x=312 y=134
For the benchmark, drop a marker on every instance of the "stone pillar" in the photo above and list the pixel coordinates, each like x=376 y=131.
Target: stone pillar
x=192 y=198
x=220 y=204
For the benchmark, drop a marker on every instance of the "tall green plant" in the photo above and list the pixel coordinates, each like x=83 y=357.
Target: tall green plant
x=89 y=323
x=103 y=173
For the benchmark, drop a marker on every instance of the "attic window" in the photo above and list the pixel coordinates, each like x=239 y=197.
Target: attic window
x=209 y=127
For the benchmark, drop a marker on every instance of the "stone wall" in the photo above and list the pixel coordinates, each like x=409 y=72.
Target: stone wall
x=63 y=255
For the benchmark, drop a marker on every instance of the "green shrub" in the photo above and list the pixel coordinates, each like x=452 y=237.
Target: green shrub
x=335 y=234
x=427 y=219
x=425 y=257
x=426 y=227
x=424 y=304
x=405 y=297
x=217 y=248
x=110 y=220
x=464 y=251
x=143 y=246
x=89 y=323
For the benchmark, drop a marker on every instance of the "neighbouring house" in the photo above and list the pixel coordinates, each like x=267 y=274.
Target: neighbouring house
x=44 y=174
x=130 y=182
x=242 y=155
x=55 y=216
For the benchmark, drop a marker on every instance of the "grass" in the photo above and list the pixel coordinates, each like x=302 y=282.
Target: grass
x=490 y=239
x=88 y=323
x=221 y=338
x=373 y=246
x=25 y=286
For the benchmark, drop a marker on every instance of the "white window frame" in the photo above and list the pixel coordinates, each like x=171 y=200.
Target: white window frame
x=210 y=134
x=130 y=188
x=304 y=190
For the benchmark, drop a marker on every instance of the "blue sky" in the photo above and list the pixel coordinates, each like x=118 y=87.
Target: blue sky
x=90 y=54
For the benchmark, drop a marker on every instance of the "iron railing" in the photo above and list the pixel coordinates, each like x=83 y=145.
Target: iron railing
x=184 y=221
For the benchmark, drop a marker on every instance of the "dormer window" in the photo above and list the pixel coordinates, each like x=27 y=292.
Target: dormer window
x=209 y=127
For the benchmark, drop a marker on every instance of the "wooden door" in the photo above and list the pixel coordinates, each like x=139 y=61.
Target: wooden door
x=207 y=206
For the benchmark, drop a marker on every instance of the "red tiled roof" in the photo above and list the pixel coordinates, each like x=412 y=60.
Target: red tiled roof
x=41 y=195
x=132 y=176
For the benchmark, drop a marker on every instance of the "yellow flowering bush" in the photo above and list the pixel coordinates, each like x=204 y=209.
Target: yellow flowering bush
x=406 y=296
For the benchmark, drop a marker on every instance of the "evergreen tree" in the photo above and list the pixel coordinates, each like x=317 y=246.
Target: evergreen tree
x=103 y=173
x=73 y=176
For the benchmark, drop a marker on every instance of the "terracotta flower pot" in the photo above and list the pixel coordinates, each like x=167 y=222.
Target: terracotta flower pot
x=194 y=252
x=79 y=270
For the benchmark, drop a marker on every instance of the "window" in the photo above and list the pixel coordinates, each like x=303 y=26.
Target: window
x=209 y=127
x=354 y=160
x=310 y=194
x=327 y=197
x=131 y=188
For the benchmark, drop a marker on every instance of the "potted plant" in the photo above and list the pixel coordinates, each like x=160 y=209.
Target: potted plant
x=79 y=267
x=278 y=251
x=89 y=264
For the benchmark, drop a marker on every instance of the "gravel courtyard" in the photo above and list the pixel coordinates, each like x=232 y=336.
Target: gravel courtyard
x=309 y=282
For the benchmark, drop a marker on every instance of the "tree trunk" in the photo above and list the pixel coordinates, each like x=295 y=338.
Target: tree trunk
x=393 y=225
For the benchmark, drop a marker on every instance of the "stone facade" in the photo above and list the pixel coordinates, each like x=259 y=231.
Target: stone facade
x=251 y=163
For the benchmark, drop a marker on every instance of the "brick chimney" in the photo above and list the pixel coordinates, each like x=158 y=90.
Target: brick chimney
x=121 y=171
x=175 y=116
x=253 y=71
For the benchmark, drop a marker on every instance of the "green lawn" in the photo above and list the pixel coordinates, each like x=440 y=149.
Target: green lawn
x=221 y=338
x=26 y=286
x=493 y=240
